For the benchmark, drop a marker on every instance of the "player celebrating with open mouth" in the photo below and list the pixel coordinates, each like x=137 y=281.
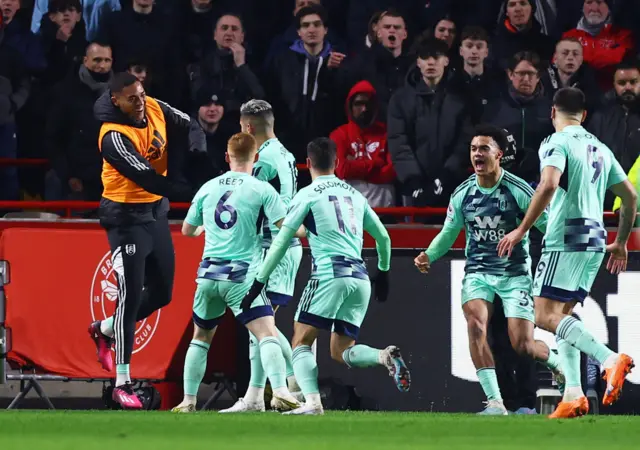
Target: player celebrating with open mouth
x=489 y=204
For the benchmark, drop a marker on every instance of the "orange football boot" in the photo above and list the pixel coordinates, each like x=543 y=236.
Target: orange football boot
x=569 y=410
x=615 y=377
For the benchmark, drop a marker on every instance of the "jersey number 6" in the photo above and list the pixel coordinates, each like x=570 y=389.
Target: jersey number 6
x=221 y=207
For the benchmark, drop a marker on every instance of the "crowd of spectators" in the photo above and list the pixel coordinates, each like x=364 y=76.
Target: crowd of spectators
x=397 y=84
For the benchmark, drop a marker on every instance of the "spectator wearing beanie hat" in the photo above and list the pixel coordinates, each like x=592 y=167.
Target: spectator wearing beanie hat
x=208 y=138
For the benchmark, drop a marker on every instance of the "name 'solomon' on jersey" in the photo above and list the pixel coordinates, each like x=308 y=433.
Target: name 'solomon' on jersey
x=588 y=169
x=232 y=208
x=335 y=215
x=487 y=216
x=277 y=166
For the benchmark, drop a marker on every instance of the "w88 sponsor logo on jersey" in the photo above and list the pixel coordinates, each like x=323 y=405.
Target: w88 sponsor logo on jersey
x=486 y=228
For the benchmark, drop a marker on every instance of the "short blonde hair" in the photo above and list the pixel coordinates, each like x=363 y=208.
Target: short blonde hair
x=242 y=147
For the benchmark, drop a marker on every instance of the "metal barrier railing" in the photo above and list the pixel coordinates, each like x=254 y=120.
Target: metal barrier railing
x=35 y=162
x=69 y=206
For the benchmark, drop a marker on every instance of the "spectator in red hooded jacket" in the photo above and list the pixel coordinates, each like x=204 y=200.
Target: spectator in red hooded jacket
x=605 y=45
x=363 y=158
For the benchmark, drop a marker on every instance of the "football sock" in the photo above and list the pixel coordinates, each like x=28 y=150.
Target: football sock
x=258 y=377
x=361 y=356
x=286 y=352
x=306 y=369
x=553 y=362
x=571 y=367
x=106 y=327
x=195 y=365
x=573 y=331
x=489 y=382
x=122 y=374
x=273 y=362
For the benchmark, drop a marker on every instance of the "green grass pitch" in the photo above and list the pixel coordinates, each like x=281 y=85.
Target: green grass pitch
x=87 y=430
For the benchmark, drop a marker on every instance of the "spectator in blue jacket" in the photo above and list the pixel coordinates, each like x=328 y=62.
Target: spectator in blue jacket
x=282 y=42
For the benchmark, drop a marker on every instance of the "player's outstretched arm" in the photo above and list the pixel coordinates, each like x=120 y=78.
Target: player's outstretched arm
x=549 y=181
x=190 y=230
x=442 y=243
x=626 y=192
x=379 y=233
x=120 y=153
x=193 y=224
x=301 y=232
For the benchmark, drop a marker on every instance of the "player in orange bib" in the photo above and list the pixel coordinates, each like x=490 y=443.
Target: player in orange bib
x=133 y=211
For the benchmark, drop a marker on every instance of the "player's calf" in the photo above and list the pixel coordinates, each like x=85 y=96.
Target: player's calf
x=345 y=351
x=195 y=363
x=273 y=360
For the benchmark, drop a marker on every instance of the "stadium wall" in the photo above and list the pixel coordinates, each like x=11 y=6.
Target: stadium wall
x=64 y=273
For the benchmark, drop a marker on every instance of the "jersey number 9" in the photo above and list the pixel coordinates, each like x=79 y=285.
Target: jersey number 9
x=596 y=161
x=232 y=217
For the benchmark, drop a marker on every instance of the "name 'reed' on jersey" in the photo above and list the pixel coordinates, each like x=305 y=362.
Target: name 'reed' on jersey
x=487 y=215
x=232 y=208
x=335 y=215
x=588 y=169
x=277 y=166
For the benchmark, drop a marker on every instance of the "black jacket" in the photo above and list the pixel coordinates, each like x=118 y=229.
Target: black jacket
x=126 y=160
x=218 y=73
x=619 y=129
x=425 y=135
x=529 y=122
x=62 y=57
x=305 y=112
x=149 y=38
x=14 y=82
x=71 y=133
x=508 y=42
x=378 y=66
x=478 y=91
x=206 y=156
x=584 y=79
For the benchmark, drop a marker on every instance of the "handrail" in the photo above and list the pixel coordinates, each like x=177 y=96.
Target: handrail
x=68 y=206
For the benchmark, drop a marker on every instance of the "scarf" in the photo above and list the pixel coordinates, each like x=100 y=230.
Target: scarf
x=592 y=29
x=522 y=99
x=87 y=78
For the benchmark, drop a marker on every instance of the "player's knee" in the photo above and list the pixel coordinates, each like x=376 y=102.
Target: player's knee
x=336 y=354
x=302 y=340
x=542 y=318
x=524 y=347
x=477 y=329
x=202 y=334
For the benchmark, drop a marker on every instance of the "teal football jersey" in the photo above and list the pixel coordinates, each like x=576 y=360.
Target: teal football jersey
x=277 y=166
x=487 y=215
x=232 y=208
x=588 y=169
x=335 y=215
